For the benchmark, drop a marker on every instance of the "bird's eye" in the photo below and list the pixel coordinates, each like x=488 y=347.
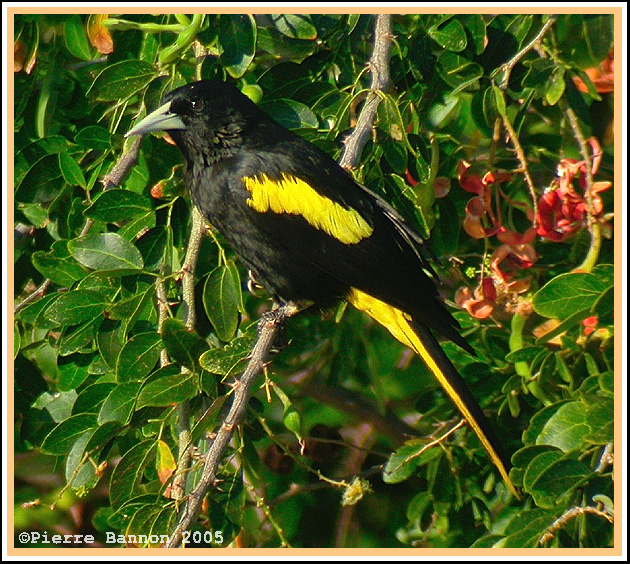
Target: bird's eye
x=197 y=105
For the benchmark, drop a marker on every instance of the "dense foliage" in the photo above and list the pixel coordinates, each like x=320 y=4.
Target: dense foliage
x=497 y=146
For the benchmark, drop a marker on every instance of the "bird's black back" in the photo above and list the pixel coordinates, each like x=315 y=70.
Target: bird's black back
x=228 y=138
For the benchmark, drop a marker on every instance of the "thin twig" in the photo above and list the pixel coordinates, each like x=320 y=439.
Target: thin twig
x=572 y=514
x=509 y=66
x=35 y=295
x=594 y=226
x=124 y=164
x=268 y=329
x=188 y=302
x=379 y=66
x=520 y=155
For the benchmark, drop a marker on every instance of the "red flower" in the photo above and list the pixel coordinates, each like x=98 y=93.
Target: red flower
x=562 y=210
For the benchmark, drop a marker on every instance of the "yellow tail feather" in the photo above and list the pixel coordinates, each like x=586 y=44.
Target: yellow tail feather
x=399 y=325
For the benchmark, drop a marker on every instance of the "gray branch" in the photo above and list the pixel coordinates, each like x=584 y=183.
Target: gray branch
x=379 y=67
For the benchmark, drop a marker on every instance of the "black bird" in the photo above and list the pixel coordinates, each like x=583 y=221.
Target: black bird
x=309 y=233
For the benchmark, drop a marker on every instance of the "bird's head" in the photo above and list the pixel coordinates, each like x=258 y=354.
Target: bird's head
x=206 y=117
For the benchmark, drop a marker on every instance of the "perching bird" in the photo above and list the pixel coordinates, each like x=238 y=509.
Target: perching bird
x=310 y=234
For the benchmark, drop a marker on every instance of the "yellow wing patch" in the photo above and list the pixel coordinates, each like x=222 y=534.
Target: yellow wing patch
x=398 y=324
x=294 y=196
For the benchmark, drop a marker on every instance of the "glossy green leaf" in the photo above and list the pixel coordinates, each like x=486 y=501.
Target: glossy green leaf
x=407 y=458
x=121 y=80
x=451 y=35
x=549 y=477
x=182 y=344
x=567 y=294
x=94 y=137
x=152 y=246
x=91 y=398
x=118 y=205
x=58 y=441
x=76 y=39
x=138 y=357
x=225 y=361
x=291 y=114
x=58 y=265
x=566 y=428
x=272 y=41
x=295 y=26
x=476 y=27
x=119 y=404
x=600 y=418
x=237 y=39
x=106 y=251
x=127 y=475
x=221 y=300
x=169 y=390
x=458 y=72
x=72 y=371
x=76 y=307
x=524 y=530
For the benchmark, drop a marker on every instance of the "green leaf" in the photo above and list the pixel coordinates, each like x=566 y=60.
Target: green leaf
x=118 y=205
x=182 y=344
x=169 y=390
x=450 y=35
x=275 y=43
x=556 y=89
x=58 y=441
x=221 y=300
x=58 y=265
x=600 y=418
x=76 y=39
x=524 y=530
x=237 y=40
x=567 y=294
x=291 y=114
x=290 y=416
x=499 y=105
x=76 y=307
x=539 y=420
x=138 y=357
x=208 y=420
x=458 y=72
x=81 y=474
x=566 y=428
x=35 y=213
x=225 y=361
x=71 y=171
x=121 y=80
x=94 y=137
x=295 y=26
x=91 y=398
x=119 y=404
x=403 y=463
x=152 y=246
x=35 y=313
x=127 y=476
x=106 y=251
x=72 y=371
x=16 y=340
x=476 y=27
x=550 y=477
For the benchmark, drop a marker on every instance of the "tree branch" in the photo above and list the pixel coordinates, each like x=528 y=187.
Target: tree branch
x=267 y=331
x=379 y=66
